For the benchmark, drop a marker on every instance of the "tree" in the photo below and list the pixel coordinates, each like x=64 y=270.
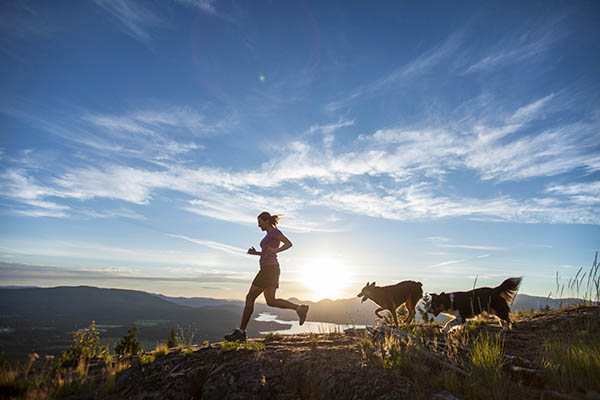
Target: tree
x=172 y=341
x=129 y=344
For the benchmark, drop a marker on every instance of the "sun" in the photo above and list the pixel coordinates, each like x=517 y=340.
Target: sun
x=325 y=278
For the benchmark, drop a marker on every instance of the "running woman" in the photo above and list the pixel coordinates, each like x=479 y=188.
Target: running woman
x=267 y=279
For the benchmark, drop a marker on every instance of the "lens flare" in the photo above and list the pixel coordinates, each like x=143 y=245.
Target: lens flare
x=325 y=278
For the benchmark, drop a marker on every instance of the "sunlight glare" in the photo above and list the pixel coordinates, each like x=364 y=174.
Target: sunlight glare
x=325 y=278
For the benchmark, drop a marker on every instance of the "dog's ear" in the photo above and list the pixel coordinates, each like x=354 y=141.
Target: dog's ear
x=373 y=284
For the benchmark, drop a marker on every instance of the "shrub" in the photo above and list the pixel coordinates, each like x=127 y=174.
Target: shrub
x=86 y=344
x=129 y=344
x=172 y=341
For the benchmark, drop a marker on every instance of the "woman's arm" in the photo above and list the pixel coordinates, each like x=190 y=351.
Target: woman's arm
x=286 y=243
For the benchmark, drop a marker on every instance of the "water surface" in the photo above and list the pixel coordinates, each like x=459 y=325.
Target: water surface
x=307 y=327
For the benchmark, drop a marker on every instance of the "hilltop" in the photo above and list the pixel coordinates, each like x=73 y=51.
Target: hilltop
x=521 y=363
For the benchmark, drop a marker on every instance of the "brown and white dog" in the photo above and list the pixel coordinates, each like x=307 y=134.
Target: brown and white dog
x=463 y=305
x=391 y=297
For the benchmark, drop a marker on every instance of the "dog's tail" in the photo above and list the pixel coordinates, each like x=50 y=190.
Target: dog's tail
x=508 y=288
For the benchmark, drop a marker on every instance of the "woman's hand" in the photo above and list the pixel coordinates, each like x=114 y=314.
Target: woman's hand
x=253 y=251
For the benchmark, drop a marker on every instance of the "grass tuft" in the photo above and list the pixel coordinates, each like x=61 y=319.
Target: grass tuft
x=229 y=346
x=161 y=350
x=271 y=336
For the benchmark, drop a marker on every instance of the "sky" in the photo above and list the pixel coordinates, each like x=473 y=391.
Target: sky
x=452 y=144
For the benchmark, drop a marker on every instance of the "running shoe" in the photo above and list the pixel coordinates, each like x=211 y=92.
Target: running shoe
x=237 y=336
x=302 y=311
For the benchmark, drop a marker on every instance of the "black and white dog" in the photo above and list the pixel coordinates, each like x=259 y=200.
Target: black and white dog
x=463 y=305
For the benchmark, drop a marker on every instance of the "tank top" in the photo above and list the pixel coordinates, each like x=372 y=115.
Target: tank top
x=270 y=240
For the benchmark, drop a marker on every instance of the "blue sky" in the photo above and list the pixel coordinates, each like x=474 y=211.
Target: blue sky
x=440 y=143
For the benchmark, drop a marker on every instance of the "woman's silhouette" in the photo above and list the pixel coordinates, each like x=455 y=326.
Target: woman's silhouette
x=267 y=279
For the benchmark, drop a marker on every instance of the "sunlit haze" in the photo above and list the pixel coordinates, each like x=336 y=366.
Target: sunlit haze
x=437 y=142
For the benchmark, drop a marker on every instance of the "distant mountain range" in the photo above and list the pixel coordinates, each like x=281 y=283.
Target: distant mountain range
x=43 y=319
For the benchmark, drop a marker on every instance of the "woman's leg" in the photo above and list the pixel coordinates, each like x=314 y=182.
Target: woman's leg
x=253 y=293
x=279 y=303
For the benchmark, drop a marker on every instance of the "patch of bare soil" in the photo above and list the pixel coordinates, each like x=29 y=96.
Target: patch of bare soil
x=292 y=367
x=530 y=332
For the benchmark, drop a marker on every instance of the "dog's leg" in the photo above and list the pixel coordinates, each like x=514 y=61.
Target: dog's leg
x=395 y=316
x=410 y=307
x=380 y=309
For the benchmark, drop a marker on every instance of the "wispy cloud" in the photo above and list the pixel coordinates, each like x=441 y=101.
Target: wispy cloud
x=25 y=21
x=421 y=64
x=445 y=263
x=135 y=18
x=196 y=259
x=41 y=273
x=204 y=5
x=587 y=193
x=472 y=247
x=117 y=213
x=330 y=128
x=147 y=134
x=389 y=173
x=213 y=245
x=440 y=241
x=521 y=45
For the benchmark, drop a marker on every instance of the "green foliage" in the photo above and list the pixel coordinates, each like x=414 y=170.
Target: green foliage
x=487 y=362
x=572 y=361
x=129 y=344
x=388 y=319
x=172 y=341
x=147 y=359
x=72 y=387
x=229 y=346
x=583 y=286
x=394 y=357
x=86 y=345
x=185 y=338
